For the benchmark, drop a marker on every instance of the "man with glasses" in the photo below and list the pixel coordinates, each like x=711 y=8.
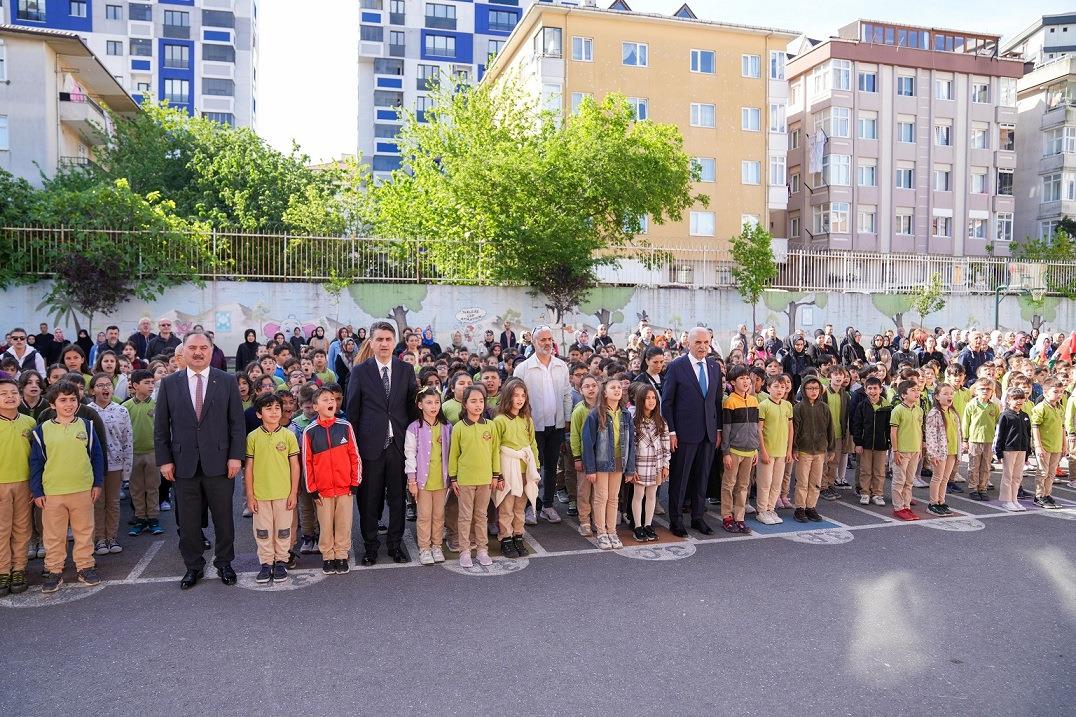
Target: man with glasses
x=165 y=341
x=142 y=337
x=26 y=356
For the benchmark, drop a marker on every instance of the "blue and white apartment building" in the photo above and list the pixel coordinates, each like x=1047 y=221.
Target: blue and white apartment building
x=200 y=55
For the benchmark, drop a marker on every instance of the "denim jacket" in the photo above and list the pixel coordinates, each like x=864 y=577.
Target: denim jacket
x=598 y=453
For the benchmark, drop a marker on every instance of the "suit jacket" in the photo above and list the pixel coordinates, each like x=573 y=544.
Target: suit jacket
x=370 y=413
x=179 y=438
x=693 y=417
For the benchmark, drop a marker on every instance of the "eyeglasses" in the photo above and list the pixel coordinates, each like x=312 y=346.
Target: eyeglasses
x=18 y=338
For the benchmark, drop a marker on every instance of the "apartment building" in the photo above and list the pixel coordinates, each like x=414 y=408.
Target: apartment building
x=902 y=139
x=723 y=85
x=52 y=93
x=200 y=55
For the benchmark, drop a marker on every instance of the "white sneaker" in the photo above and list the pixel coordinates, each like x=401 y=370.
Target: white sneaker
x=764 y=518
x=549 y=513
x=749 y=509
x=878 y=500
x=528 y=516
x=465 y=560
x=920 y=483
x=165 y=506
x=1013 y=507
x=425 y=557
x=777 y=520
x=40 y=550
x=484 y=559
x=585 y=530
x=864 y=499
x=101 y=548
x=114 y=547
x=660 y=510
x=960 y=479
x=604 y=543
x=614 y=541
x=438 y=555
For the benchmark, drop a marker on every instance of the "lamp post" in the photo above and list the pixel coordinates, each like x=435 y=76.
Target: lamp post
x=997 y=305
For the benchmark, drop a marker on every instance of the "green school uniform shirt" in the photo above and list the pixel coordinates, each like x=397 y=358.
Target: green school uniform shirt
x=776 y=420
x=833 y=400
x=452 y=409
x=67 y=468
x=436 y=479
x=515 y=433
x=961 y=397
x=272 y=465
x=1070 y=415
x=326 y=376
x=474 y=454
x=141 y=423
x=980 y=421
x=15 y=448
x=951 y=434
x=575 y=438
x=909 y=423
x=1050 y=420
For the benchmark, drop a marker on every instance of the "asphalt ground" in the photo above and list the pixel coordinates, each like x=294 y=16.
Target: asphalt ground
x=859 y=615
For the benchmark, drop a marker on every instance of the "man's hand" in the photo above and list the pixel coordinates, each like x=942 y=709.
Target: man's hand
x=592 y=477
x=859 y=450
x=168 y=471
x=233 y=467
x=672 y=443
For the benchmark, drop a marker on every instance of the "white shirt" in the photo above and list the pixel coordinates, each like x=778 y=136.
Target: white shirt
x=380 y=376
x=545 y=400
x=192 y=383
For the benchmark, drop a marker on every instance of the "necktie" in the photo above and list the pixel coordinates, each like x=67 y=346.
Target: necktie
x=702 y=377
x=198 y=396
x=385 y=380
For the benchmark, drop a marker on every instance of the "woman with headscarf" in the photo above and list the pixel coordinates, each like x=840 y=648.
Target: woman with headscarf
x=334 y=348
x=878 y=353
x=429 y=343
x=345 y=359
x=851 y=349
x=247 y=351
x=903 y=354
x=1042 y=350
x=758 y=350
x=318 y=340
x=84 y=341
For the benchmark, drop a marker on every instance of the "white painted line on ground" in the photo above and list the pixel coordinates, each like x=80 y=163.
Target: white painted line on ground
x=143 y=563
x=529 y=539
x=871 y=513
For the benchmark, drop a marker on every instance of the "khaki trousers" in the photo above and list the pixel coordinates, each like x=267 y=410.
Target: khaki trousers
x=834 y=461
x=430 y=525
x=106 y=511
x=584 y=498
x=510 y=515
x=734 y=486
x=903 y=479
x=786 y=480
x=74 y=511
x=473 y=507
x=273 y=530
x=1044 y=482
x=145 y=487
x=15 y=522
x=768 y=477
x=1012 y=474
x=980 y=460
x=335 y=516
x=452 y=518
x=606 y=499
x=872 y=472
x=940 y=478
x=809 y=479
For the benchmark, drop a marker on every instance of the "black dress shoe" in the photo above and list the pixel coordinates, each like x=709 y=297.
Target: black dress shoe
x=190 y=578
x=678 y=531
x=227 y=575
x=206 y=545
x=399 y=555
x=369 y=558
x=702 y=527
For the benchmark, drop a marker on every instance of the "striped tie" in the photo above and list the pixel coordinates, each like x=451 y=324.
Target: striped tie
x=198 y=396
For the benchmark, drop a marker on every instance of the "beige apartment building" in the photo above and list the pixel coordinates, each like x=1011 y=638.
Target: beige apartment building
x=902 y=139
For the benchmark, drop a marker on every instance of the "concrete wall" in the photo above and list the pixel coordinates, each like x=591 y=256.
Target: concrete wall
x=230 y=307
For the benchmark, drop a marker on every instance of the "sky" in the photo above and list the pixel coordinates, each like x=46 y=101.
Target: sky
x=308 y=62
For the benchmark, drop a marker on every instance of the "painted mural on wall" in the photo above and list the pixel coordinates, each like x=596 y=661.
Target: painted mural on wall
x=228 y=308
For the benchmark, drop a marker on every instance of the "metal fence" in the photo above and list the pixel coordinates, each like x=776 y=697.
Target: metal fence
x=286 y=257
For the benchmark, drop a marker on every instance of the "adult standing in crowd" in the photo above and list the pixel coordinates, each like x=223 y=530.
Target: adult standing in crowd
x=165 y=340
x=508 y=337
x=297 y=340
x=27 y=356
x=247 y=351
x=199 y=436
x=142 y=337
x=381 y=393
x=44 y=344
x=691 y=406
x=112 y=343
x=546 y=378
x=603 y=338
x=974 y=355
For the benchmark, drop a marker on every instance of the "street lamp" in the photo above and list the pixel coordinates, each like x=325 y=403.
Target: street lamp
x=1036 y=295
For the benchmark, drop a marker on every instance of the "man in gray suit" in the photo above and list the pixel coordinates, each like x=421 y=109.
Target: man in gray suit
x=200 y=441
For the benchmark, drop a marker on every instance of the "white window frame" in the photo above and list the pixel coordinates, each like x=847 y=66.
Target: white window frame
x=867 y=81
x=868 y=220
x=837 y=170
x=842 y=74
x=640 y=107
x=905 y=82
x=943 y=89
x=1003 y=230
x=941 y=227
x=5 y=137
x=980 y=93
x=778 y=170
x=697 y=110
x=778 y=121
x=750 y=172
x=642 y=54
x=867 y=122
x=114 y=44
x=905 y=222
x=978 y=228
x=943 y=135
x=1051 y=187
x=943 y=179
x=794 y=182
x=979 y=182
x=976 y=134
x=585 y=47
x=577 y=101
x=905 y=171
x=900 y=132
x=867 y=174
x=839 y=218
x=695 y=62
x=707 y=167
x=751 y=66
x=750 y=119
x=778 y=60
x=3 y=61
x=702 y=224
x=793 y=227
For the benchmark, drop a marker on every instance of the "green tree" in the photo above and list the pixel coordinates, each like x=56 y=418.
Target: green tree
x=390 y=301
x=929 y=298
x=790 y=302
x=1053 y=250
x=754 y=267
x=894 y=306
x=495 y=189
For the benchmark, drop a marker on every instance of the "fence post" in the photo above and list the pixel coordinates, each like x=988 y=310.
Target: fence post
x=418 y=261
x=285 y=262
x=215 y=256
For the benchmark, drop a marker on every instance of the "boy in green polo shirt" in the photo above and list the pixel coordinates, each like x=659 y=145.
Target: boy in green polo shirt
x=979 y=421
x=906 y=435
x=67 y=471
x=145 y=478
x=272 y=487
x=15 y=514
x=1047 y=426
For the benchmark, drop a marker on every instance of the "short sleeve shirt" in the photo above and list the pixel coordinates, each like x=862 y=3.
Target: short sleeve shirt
x=776 y=418
x=272 y=465
x=909 y=423
x=1050 y=421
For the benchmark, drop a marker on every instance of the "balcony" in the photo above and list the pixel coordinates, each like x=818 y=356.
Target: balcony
x=397 y=50
x=502 y=26
x=396 y=18
x=179 y=32
x=80 y=113
x=1057 y=162
x=1063 y=113
x=440 y=23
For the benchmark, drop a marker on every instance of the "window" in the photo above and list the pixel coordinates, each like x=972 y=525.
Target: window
x=549 y=42
x=1004 y=226
x=640 y=108
x=1005 y=182
x=176 y=18
x=440 y=12
x=493 y=49
x=794 y=139
x=371 y=33
x=842 y=74
x=440 y=45
x=703 y=115
x=794 y=227
x=777 y=170
x=905 y=222
x=750 y=66
x=868 y=82
x=218 y=87
x=1007 y=91
x=222 y=117
x=397 y=7
x=177 y=56
x=980 y=92
x=32 y=10
x=3 y=61
x=177 y=91
x=552 y=98
x=905 y=178
x=218 y=18
x=832 y=218
x=1052 y=141
x=707 y=167
x=396 y=38
x=837 y=169
x=868 y=125
x=794 y=183
x=750 y=119
x=702 y=224
x=905 y=86
x=113 y=12
x=906 y=132
x=777 y=64
x=1007 y=137
x=943 y=178
x=141 y=48
x=868 y=174
x=943 y=135
x=142 y=13
x=3 y=133
x=777 y=117
x=835 y=122
x=1047 y=229
x=942 y=227
x=386 y=131
x=634 y=54
x=1051 y=188
x=868 y=220
x=142 y=87
x=977 y=228
x=583 y=49
x=113 y=47
x=501 y=20
x=77 y=8
x=1068 y=187
x=423 y=104
x=978 y=180
x=943 y=89
x=703 y=61
x=750 y=172
x=979 y=137
x=577 y=101
x=218 y=53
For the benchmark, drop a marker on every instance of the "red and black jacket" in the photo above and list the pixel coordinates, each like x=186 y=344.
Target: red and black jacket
x=330 y=458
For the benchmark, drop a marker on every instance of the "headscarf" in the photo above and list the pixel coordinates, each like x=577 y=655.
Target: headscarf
x=427 y=336
x=83 y=341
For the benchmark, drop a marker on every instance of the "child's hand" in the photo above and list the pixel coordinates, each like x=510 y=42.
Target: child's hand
x=629 y=478
x=317 y=502
x=794 y=456
x=291 y=501
x=898 y=458
x=578 y=466
x=40 y=502
x=252 y=505
x=412 y=488
x=964 y=448
x=455 y=488
x=496 y=484
x=859 y=450
x=664 y=475
x=727 y=460
x=763 y=459
x=95 y=493
x=592 y=477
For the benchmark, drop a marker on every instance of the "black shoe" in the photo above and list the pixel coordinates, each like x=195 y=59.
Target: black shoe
x=206 y=545
x=974 y=495
x=573 y=508
x=190 y=579
x=947 y=509
x=521 y=547
x=712 y=501
x=640 y=535
x=411 y=514
x=399 y=555
x=677 y=530
x=800 y=515
x=926 y=473
x=1021 y=493
x=328 y=567
x=1040 y=501
x=1050 y=504
x=265 y=574
x=342 y=566
x=369 y=558
x=508 y=548
x=280 y=572
x=293 y=561
x=813 y=515
x=954 y=488
x=701 y=526
x=382 y=529
x=227 y=575
x=936 y=509
x=650 y=533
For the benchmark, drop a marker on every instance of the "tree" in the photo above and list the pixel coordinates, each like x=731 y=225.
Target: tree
x=754 y=267
x=606 y=303
x=894 y=306
x=928 y=298
x=493 y=188
x=390 y=301
x=789 y=303
x=1053 y=251
x=1038 y=313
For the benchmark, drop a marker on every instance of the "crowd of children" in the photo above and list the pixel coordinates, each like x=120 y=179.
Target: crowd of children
x=77 y=440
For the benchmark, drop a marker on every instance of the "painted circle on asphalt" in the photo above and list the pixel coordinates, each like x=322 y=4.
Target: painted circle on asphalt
x=297 y=579
x=501 y=566
x=669 y=551
x=957 y=525
x=828 y=536
x=1063 y=513
x=68 y=592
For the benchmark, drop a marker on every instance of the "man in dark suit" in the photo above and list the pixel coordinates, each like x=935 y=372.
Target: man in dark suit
x=199 y=436
x=380 y=402
x=691 y=406
x=508 y=337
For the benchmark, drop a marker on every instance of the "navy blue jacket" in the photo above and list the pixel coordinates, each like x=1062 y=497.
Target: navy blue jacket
x=694 y=418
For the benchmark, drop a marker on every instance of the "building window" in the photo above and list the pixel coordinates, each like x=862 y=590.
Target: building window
x=1007 y=137
x=582 y=49
x=1007 y=91
x=794 y=227
x=942 y=227
x=980 y=92
x=837 y=170
x=177 y=56
x=76 y=8
x=750 y=119
x=113 y=47
x=979 y=138
x=703 y=61
x=218 y=87
x=906 y=132
x=943 y=89
x=778 y=58
x=943 y=135
x=30 y=10
x=440 y=45
x=634 y=54
x=577 y=101
x=777 y=170
x=222 y=117
x=868 y=125
x=1047 y=229
x=1051 y=188
x=1005 y=182
x=640 y=108
x=177 y=92
x=777 y=118
x=707 y=167
x=552 y=99
x=834 y=122
x=1004 y=226
x=905 y=178
x=113 y=12
x=978 y=181
x=396 y=38
x=139 y=12
x=142 y=87
x=977 y=228
x=212 y=52
x=4 y=143
x=868 y=175
x=868 y=220
x=437 y=11
x=794 y=183
x=842 y=74
x=3 y=61
x=868 y=82
x=423 y=104
x=549 y=42
x=703 y=115
x=501 y=20
x=831 y=218
x=943 y=178
x=748 y=221
x=905 y=86
x=905 y=222
x=702 y=224
x=794 y=139
x=176 y=18
x=140 y=48
x=750 y=172
x=751 y=66
x=371 y=33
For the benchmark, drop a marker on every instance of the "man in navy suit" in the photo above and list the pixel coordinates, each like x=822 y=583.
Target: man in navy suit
x=200 y=440
x=381 y=393
x=691 y=406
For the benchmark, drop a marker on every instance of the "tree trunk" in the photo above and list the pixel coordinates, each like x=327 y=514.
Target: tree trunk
x=754 y=319
x=399 y=314
x=603 y=316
